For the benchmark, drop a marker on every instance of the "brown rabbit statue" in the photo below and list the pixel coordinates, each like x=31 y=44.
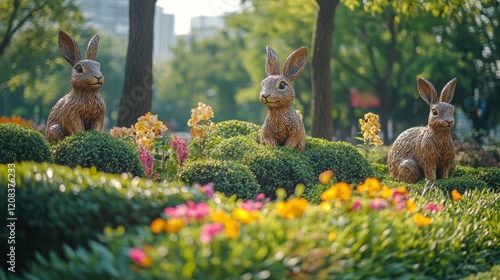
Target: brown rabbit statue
x=426 y=152
x=82 y=108
x=283 y=126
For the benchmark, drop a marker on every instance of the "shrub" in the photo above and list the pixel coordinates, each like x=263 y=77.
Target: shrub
x=231 y=128
x=341 y=157
x=234 y=148
x=228 y=177
x=105 y=152
x=460 y=184
x=21 y=143
x=490 y=175
x=279 y=167
x=57 y=205
x=315 y=242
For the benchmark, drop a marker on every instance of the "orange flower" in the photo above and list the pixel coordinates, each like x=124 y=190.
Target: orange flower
x=325 y=177
x=421 y=220
x=456 y=196
x=411 y=206
x=371 y=185
x=339 y=190
x=174 y=225
x=157 y=225
x=293 y=208
x=231 y=228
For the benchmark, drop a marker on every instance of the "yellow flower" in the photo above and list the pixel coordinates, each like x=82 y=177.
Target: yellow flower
x=421 y=220
x=325 y=206
x=332 y=236
x=371 y=129
x=386 y=192
x=196 y=132
x=371 y=185
x=456 y=196
x=293 y=208
x=339 y=190
x=220 y=216
x=298 y=112
x=231 y=228
x=325 y=177
x=411 y=206
x=174 y=225
x=157 y=225
x=242 y=215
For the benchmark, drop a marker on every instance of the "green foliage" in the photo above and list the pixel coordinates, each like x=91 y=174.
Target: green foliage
x=21 y=143
x=231 y=128
x=57 y=205
x=279 y=167
x=228 y=177
x=341 y=157
x=460 y=184
x=234 y=148
x=105 y=152
x=489 y=175
x=340 y=243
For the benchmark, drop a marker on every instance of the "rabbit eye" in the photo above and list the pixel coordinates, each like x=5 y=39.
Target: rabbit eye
x=282 y=85
x=79 y=68
x=434 y=112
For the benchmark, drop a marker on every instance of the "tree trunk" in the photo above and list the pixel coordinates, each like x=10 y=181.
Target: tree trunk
x=138 y=84
x=321 y=103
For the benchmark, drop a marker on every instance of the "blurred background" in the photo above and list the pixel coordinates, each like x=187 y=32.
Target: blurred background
x=214 y=52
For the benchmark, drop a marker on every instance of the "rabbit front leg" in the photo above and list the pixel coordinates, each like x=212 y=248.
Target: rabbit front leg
x=430 y=171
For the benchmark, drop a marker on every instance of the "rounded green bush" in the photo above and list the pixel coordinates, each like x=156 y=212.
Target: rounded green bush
x=21 y=143
x=341 y=157
x=279 y=167
x=490 y=175
x=92 y=148
x=231 y=128
x=234 y=148
x=228 y=177
x=460 y=184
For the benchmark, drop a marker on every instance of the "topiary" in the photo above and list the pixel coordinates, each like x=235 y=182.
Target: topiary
x=105 y=152
x=231 y=128
x=21 y=143
x=279 y=167
x=341 y=157
x=234 y=148
x=228 y=177
x=460 y=184
x=490 y=175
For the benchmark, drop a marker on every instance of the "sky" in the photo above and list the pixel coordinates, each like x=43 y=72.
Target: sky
x=184 y=10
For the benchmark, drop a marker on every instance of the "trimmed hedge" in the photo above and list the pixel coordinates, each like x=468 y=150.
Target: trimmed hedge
x=280 y=167
x=231 y=128
x=58 y=205
x=21 y=143
x=93 y=148
x=229 y=177
x=341 y=157
x=234 y=148
x=460 y=184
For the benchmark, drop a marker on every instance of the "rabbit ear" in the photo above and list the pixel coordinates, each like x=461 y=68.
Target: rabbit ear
x=295 y=63
x=448 y=91
x=69 y=48
x=427 y=91
x=92 y=47
x=272 y=62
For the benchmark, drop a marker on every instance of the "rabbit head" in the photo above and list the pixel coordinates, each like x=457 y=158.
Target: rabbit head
x=277 y=90
x=86 y=74
x=441 y=111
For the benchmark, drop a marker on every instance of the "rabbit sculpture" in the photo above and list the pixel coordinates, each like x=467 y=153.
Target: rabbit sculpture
x=283 y=126
x=82 y=108
x=426 y=152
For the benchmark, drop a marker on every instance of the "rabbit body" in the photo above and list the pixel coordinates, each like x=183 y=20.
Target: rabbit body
x=426 y=151
x=283 y=126
x=82 y=108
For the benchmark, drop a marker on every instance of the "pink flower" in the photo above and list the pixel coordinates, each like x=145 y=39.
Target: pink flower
x=146 y=160
x=251 y=205
x=209 y=230
x=356 y=205
x=137 y=255
x=176 y=212
x=432 y=207
x=197 y=211
x=208 y=190
x=180 y=147
x=378 y=204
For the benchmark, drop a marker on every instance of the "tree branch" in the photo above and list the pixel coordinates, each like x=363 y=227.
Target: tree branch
x=352 y=70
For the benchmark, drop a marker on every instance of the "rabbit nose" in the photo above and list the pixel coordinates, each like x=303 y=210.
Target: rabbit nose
x=99 y=79
x=449 y=122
